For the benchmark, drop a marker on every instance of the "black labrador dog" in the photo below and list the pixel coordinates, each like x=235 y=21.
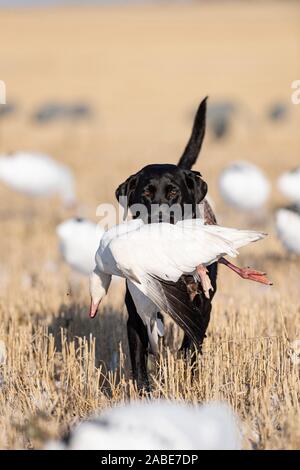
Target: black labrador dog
x=158 y=188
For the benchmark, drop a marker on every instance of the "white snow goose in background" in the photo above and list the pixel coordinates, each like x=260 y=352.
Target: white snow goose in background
x=78 y=242
x=157 y=425
x=244 y=186
x=289 y=185
x=36 y=174
x=288 y=228
x=154 y=257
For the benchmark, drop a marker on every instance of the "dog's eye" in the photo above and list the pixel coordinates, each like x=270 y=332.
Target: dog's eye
x=172 y=193
x=148 y=193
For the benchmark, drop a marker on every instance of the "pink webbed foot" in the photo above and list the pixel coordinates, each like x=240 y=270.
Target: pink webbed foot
x=247 y=273
x=204 y=279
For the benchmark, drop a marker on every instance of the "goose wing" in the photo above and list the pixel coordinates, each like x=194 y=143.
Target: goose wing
x=167 y=251
x=236 y=237
x=173 y=299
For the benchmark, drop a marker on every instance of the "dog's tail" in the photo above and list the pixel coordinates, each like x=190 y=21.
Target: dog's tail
x=194 y=144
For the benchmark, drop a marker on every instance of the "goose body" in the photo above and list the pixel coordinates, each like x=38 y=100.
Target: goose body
x=157 y=425
x=173 y=250
x=35 y=174
x=288 y=228
x=289 y=184
x=244 y=186
x=78 y=242
x=153 y=258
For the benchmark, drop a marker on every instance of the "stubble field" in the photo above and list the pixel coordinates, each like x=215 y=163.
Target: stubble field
x=144 y=69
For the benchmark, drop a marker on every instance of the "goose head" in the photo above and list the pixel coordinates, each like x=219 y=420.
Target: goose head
x=99 y=284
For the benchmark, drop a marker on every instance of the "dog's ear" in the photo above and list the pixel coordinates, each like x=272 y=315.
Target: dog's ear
x=196 y=185
x=124 y=193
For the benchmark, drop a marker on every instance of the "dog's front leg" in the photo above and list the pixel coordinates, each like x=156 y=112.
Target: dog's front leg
x=138 y=345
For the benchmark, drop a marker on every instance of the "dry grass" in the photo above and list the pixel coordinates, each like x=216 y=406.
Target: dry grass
x=144 y=69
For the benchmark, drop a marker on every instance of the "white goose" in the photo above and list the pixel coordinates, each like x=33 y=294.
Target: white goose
x=78 y=242
x=154 y=257
x=35 y=174
x=157 y=425
x=288 y=228
x=244 y=186
x=289 y=184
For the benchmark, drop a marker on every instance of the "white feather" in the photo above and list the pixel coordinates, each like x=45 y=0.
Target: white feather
x=78 y=241
x=36 y=174
x=289 y=184
x=141 y=252
x=158 y=425
x=244 y=186
x=169 y=251
x=288 y=229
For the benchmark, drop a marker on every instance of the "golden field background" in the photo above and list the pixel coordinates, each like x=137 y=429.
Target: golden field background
x=144 y=69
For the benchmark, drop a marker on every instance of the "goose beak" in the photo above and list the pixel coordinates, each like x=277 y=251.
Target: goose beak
x=94 y=309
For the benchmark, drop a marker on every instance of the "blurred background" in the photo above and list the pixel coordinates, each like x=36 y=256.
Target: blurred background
x=139 y=70
x=106 y=87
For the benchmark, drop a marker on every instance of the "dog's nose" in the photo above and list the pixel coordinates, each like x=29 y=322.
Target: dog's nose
x=159 y=217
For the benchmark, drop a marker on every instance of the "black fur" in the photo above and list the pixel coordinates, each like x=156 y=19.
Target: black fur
x=166 y=185
x=194 y=145
x=162 y=185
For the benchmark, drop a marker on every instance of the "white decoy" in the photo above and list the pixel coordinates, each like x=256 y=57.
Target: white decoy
x=157 y=425
x=154 y=257
x=78 y=242
x=244 y=186
x=36 y=174
x=288 y=228
x=289 y=184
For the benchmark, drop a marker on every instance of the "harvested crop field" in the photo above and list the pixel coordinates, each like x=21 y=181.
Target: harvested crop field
x=143 y=70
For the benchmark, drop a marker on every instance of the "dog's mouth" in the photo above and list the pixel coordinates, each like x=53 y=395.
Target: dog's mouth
x=157 y=214
x=160 y=218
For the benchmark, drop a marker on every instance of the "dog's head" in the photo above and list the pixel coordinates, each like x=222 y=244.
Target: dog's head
x=162 y=193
